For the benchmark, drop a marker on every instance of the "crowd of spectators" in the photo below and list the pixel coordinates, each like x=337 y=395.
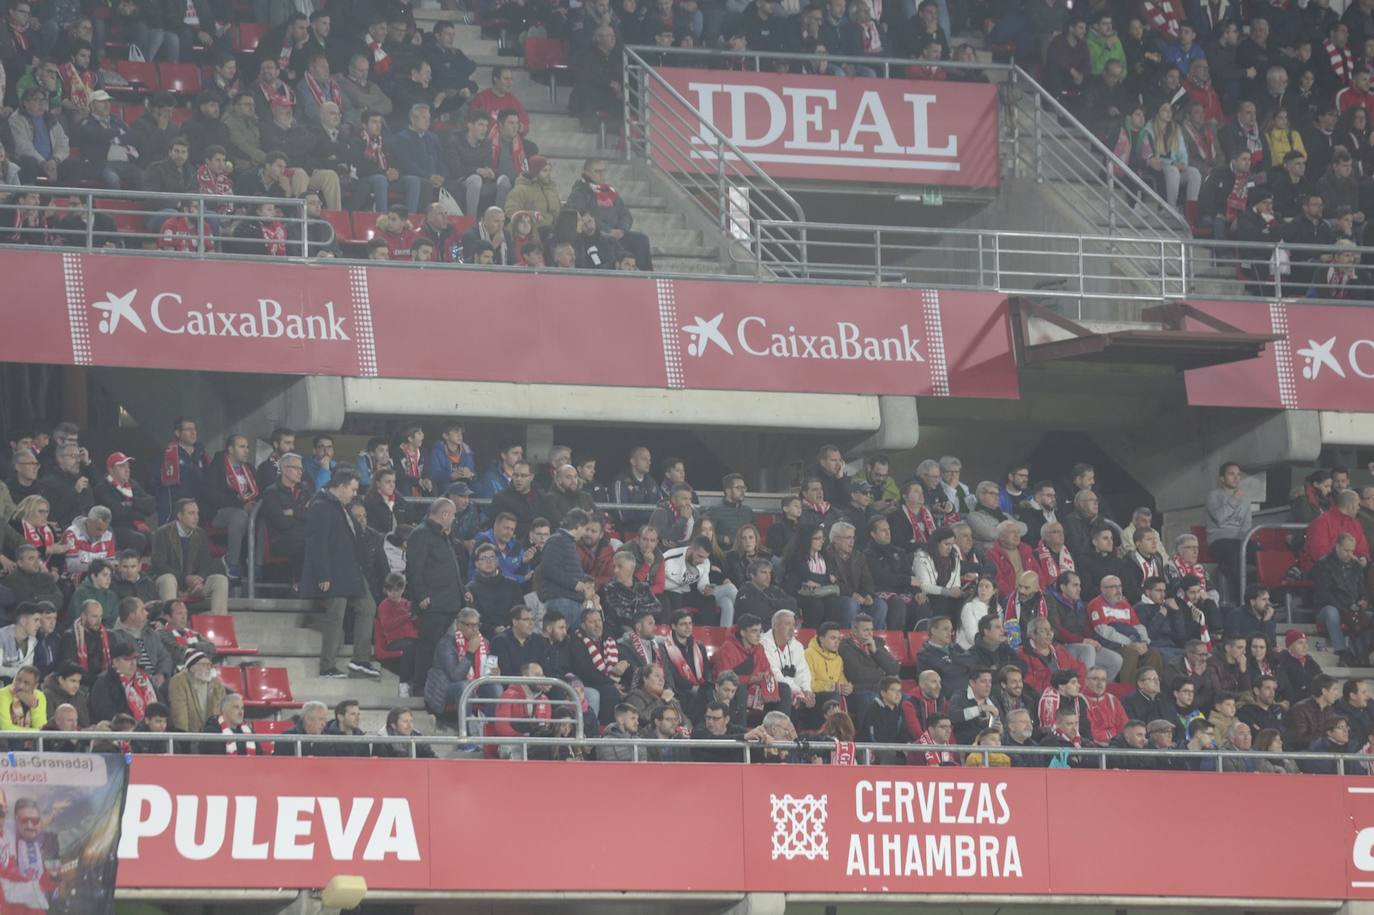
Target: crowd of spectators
x=1038 y=617
x=348 y=107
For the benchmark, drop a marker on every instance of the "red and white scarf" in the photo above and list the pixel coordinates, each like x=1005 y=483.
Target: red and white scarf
x=922 y=525
x=517 y=150
x=288 y=47
x=605 y=655
x=1052 y=563
x=329 y=92
x=1186 y=568
x=479 y=657
x=1149 y=568
x=231 y=748
x=241 y=481
x=381 y=61
x=1164 y=16
x=79 y=631
x=210 y=183
x=872 y=38
x=138 y=693
x=1342 y=61
x=124 y=489
x=373 y=150
x=274 y=234
x=690 y=670
x=638 y=644
x=821 y=508
x=845 y=754
x=39 y=537
x=411 y=463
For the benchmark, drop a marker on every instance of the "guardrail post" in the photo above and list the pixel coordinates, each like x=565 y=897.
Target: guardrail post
x=1111 y=199
x=722 y=196
x=878 y=255
x=305 y=231
x=200 y=226
x=250 y=575
x=1038 y=139
x=90 y=221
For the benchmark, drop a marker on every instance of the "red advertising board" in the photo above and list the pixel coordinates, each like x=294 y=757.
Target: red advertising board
x=265 y=823
x=1324 y=359
x=485 y=325
x=891 y=131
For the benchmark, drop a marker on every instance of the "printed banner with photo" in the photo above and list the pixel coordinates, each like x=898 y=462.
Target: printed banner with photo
x=61 y=817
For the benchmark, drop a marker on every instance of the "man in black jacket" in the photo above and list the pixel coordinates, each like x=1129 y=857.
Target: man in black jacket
x=67 y=487
x=1146 y=703
x=990 y=649
x=284 y=505
x=434 y=581
x=334 y=573
x=347 y=715
x=131 y=507
x=231 y=488
x=1224 y=183
x=1338 y=590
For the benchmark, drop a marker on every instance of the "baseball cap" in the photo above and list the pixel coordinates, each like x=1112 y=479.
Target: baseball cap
x=100 y=95
x=119 y=457
x=1291 y=636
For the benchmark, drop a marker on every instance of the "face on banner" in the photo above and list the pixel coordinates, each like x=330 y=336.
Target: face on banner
x=44 y=796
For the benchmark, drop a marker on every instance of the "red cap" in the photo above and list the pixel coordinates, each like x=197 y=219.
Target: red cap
x=1291 y=636
x=119 y=457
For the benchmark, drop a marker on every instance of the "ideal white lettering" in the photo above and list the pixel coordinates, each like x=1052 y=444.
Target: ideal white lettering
x=267 y=322
x=1363 y=853
x=289 y=831
x=944 y=803
x=847 y=343
x=914 y=855
x=1355 y=365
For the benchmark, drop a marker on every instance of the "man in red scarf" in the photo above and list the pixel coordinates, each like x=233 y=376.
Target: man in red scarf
x=591 y=193
x=230 y=721
x=744 y=654
x=595 y=658
x=231 y=490
x=183 y=468
x=124 y=688
x=87 y=642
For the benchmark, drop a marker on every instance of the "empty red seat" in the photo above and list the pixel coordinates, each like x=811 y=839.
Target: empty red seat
x=219 y=629
x=131 y=113
x=249 y=34
x=547 y=57
x=268 y=687
x=139 y=73
x=803 y=635
x=181 y=115
x=461 y=223
x=231 y=677
x=179 y=79
x=713 y=636
x=1200 y=532
x=271 y=725
x=897 y=644
x=343 y=226
x=915 y=641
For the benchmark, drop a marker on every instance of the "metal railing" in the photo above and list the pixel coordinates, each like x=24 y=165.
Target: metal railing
x=1102 y=757
x=1244 y=550
x=469 y=698
x=727 y=187
x=210 y=220
x=252 y=585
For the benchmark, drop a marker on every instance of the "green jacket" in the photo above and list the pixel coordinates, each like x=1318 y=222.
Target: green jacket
x=244 y=139
x=537 y=197
x=1101 y=50
x=728 y=519
x=108 y=599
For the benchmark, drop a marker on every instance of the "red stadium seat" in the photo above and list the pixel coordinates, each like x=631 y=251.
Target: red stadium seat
x=763 y=523
x=181 y=115
x=364 y=226
x=219 y=629
x=461 y=223
x=268 y=687
x=131 y=113
x=898 y=645
x=1204 y=555
x=547 y=57
x=803 y=635
x=249 y=34
x=916 y=641
x=140 y=74
x=343 y=226
x=179 y=79
x=231 y=677
x=270 y=725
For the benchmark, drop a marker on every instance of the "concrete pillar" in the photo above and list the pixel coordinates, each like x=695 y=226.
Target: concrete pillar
x=899 y=428
x=759 y=904
x=538 y=442
x=1356 y=907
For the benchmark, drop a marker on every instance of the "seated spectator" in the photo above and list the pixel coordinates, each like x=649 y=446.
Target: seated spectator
x=347 y=716
x=123 y=687
x=67 y=486
x=744 y=655
x=1335 y=739
x=194 y=692
x=974 y=711
x=857 y=588
x=1106 y=714
x=491 y=229
x=625 y=597
x=759 y=596
x=639 y=645
x=444 y=237
x=1305 y=721
x=1339 y=519
x=182 y=564
x=1065 y=694
x=991 y=648
x=230 y=720
x=283 y=513
x=591 y=193
x=1012 y=693
x=63 y=687
x=32 y=579
x=624 y=727
x=131 y=509
x=716 y=725
x=311 y=722
x=107 y=147
x=89 y=538
x=1114 y=622
x=489 y=592
x=153 y=657
x=461 y=655
x=19 y=640
x=1146 y=560
x=889 y=718
x=1043 y=658
x=938 y=732
x=675 y=521
x=400 y=722
x=825 y=663
x=687 y=569
x=375 y=170
x=318 y=87
x=364 y=94
x=1338 y=591
x=893 y=578
x=1165 y=622
x=417 y=152
x=787 y=660
x=866 y=658
x=297 y=142
x=95 y=586
x=535 y=192
x=1052 y=554
x=809 y=574
x=597 y=663
x=41 y=146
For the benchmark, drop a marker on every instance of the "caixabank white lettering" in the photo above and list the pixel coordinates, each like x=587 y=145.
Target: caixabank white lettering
x=935 y=851
x=170 y=313
x=345 y=823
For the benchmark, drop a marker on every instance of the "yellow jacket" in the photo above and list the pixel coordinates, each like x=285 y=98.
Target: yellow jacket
x=37 y=718
x=827 y=670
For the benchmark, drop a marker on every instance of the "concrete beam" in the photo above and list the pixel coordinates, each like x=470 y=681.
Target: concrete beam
x=1346 y=428
x=759 y=904
x=899 y=427
x=583 y=403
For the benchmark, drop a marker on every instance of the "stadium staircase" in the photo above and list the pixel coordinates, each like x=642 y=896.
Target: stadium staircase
x=678 y=247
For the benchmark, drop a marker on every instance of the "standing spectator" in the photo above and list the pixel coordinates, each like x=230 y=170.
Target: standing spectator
x=435 y=579
x=591 y=193
x=230 y=493
x=184 y=466
x=333 y=573
x=182 y=564
x=451 y=67
x=597 y=90
x=499 y=97
x=284 y=509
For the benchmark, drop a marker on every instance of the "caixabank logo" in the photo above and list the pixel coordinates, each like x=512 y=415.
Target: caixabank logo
x=752 y=335
x=171 y=313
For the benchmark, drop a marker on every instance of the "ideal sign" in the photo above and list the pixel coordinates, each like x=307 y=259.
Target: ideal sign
x=871 y=130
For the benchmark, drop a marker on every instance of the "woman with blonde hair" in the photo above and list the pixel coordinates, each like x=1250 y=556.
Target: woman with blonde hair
x=1168 y=156
x=30 y=521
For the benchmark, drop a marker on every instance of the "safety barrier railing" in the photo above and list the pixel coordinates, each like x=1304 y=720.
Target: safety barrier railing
x=640 y=747
x=252 y=585
x=727 y=187
x=38 y=215
x=471 y=697
x=1244 y=552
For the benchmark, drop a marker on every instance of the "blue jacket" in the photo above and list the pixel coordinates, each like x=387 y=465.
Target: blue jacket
x=316 y=474
x=1167 y=630
x=191 y=471
x=490 y=483
x=560 y=568
x=439 y=467
x=512 y=559
x=446 y=679
x=416 y=154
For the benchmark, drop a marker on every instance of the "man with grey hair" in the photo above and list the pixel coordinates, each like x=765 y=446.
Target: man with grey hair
x=1020 y=733
x=1079 y=525
x=855 y=578
x=1239 y=739
x=1052 y=555
x=88 y=538
x=559 y=456
x=66 y=487
x=284 y=506
x=928 y=472
x=313 y=718
x=434 y=581
x=776 y=728
x=787 y=658
x=955 y=492
x=416 y=151
x=986 y=514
